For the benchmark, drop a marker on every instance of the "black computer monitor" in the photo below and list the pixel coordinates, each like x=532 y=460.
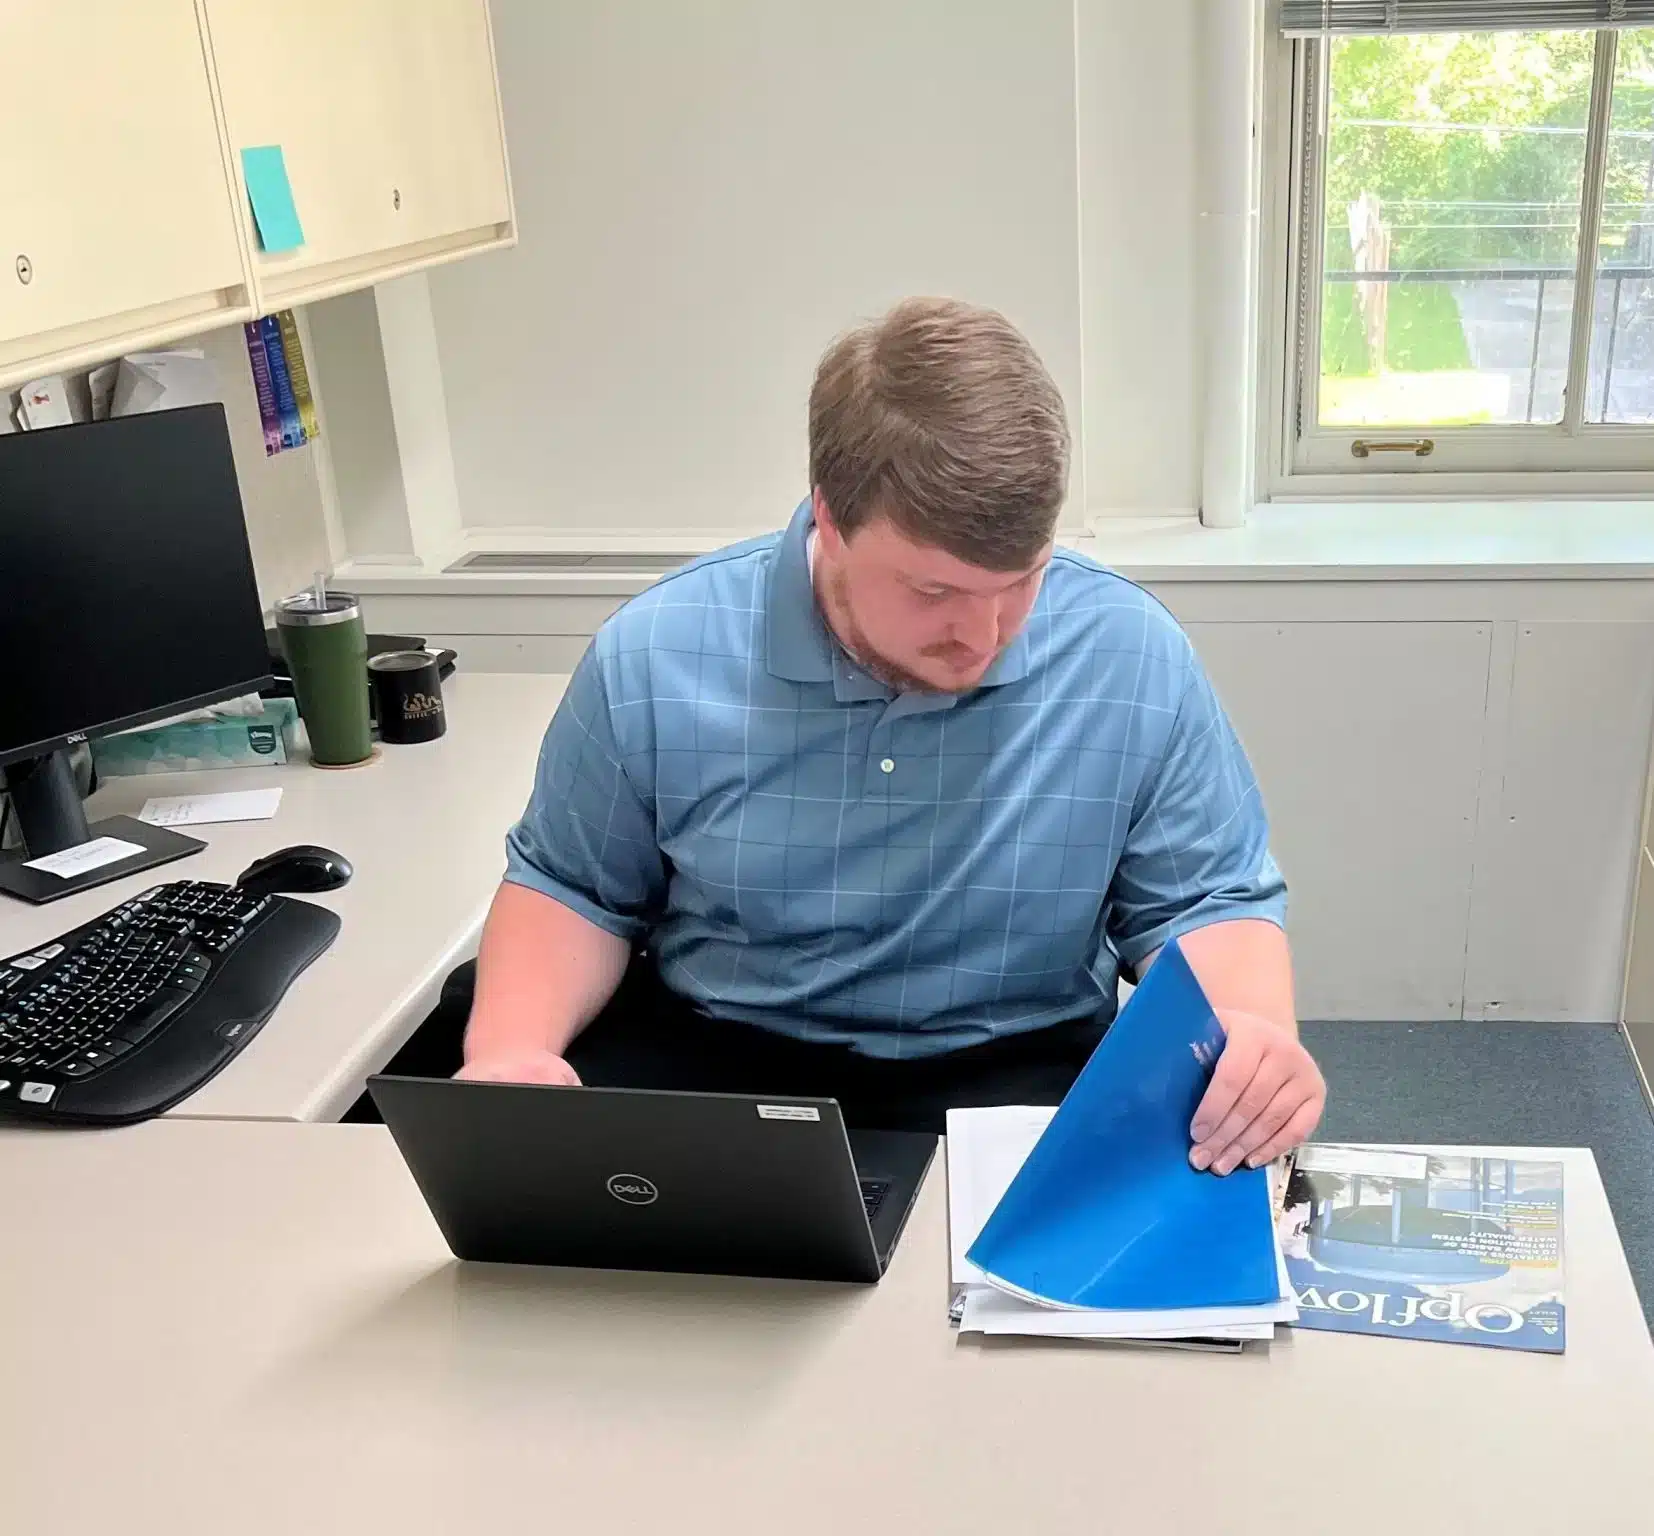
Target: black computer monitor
x=126 y=595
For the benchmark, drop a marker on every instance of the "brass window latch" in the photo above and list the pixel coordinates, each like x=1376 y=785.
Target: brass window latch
x=1419 y=447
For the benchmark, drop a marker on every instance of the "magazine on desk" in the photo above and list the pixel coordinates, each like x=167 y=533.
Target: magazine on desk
x=1452 y=1245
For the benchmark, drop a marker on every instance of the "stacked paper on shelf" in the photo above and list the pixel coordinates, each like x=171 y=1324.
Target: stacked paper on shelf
x=1088 y=1221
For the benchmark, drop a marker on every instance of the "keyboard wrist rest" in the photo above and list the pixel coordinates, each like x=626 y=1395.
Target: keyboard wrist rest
x=240 y=994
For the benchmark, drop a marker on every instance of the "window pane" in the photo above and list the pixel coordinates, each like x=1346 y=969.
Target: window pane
x=1622 y=325
x=1454 y=165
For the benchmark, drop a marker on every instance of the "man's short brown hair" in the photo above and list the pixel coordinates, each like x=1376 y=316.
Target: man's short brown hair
x=942 y=418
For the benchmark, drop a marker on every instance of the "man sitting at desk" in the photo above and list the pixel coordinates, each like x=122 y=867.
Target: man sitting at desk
x=879 y=808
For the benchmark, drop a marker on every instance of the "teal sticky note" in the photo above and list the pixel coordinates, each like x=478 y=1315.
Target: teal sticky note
x=274 y=215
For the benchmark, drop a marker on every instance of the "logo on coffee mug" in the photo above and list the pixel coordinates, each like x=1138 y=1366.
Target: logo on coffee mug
x=421 y=706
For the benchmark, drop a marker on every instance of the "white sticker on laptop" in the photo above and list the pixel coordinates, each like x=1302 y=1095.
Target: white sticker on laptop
x=788 y=1112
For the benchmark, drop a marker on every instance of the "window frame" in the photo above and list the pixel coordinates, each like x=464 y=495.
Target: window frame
x=1570 y=459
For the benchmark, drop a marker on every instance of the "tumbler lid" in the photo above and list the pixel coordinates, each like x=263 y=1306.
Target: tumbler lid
x=400 y=661
x=303 y=609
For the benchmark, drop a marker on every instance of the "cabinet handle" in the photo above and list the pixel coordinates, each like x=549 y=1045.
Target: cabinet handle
x=396 y=198
x=25 y=269
x=1419 y=447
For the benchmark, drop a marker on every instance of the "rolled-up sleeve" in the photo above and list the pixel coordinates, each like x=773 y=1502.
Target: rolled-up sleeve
x=587 y=838
x=1197 y=851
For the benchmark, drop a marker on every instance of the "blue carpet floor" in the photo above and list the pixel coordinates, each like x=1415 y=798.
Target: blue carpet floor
x=1532 y=1085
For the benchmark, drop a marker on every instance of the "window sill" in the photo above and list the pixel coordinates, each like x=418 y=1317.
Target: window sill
x=1389 y=541
x=1321 y=541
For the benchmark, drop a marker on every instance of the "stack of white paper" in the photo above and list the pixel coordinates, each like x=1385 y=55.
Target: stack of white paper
x=985 y=1149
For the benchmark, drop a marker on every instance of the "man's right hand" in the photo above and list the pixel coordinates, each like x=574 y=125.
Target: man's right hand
x=543 y=972
x=520 y=1067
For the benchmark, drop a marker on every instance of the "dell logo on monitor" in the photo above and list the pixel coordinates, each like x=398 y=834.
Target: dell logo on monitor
x=633 y=1189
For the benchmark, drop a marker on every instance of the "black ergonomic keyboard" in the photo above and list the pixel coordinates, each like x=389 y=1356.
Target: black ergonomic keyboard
x=121 y=1018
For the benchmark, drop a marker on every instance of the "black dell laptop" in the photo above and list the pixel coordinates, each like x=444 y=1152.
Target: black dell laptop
x=624 y=1178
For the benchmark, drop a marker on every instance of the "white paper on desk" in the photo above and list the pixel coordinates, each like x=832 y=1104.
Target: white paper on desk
x=197 y=810
x=990 y=1311
x=985 y=1148
x=84 y=856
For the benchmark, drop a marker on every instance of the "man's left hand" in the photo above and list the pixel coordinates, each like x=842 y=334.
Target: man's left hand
x=1266 y=1096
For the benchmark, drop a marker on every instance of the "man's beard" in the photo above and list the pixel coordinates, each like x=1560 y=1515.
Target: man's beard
x=841 y=618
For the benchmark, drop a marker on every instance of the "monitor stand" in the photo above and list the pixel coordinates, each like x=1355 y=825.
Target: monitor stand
x=46 y=802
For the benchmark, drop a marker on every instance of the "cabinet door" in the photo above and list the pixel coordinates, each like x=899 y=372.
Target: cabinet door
x=115 y=201
x=388 y=119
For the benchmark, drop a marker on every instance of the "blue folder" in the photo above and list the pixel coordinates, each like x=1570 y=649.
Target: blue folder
x=1107 y=1211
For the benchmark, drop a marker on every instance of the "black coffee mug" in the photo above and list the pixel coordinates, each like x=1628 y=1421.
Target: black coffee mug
x=407 y=696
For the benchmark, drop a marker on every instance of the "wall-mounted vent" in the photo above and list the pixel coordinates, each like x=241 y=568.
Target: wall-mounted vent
x=646 y=562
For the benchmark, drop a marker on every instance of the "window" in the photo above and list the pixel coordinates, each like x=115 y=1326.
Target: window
x=1471 y=228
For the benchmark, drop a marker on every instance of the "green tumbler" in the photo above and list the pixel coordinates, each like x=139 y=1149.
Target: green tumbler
x=327 y=653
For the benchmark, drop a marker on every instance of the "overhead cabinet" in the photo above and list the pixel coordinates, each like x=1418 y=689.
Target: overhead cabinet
x=125 y=217
x=118 y=217
x=388 y=119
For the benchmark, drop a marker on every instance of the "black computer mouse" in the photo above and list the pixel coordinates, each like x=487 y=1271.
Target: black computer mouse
x=305 y=868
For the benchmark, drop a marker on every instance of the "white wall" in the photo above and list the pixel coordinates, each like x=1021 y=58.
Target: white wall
x=1136 y=68
x=707 y=194
x=347 y=360
x=281 y=496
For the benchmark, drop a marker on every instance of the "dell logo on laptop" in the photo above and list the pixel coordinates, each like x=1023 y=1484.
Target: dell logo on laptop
x=633 y=1189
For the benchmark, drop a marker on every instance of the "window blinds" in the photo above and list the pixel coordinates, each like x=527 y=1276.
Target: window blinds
x=1313 y=18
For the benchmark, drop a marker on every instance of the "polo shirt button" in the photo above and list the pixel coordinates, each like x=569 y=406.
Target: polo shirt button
x=888 y=765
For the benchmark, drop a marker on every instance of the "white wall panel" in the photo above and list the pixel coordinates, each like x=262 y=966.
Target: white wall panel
x=1558 y=850
x=579 y=616
x=515 y=653
x=1367 y=741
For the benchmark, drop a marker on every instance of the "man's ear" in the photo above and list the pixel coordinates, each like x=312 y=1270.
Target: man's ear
x=826 y=528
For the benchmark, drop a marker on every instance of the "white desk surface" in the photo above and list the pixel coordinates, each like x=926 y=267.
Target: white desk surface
x=424 y=826
x=215 y=1326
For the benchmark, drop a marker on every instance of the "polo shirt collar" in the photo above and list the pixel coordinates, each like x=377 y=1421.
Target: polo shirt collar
x=802 y=649
x=798 y=643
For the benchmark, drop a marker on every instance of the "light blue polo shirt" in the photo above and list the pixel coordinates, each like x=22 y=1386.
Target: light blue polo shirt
x=904 y=873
